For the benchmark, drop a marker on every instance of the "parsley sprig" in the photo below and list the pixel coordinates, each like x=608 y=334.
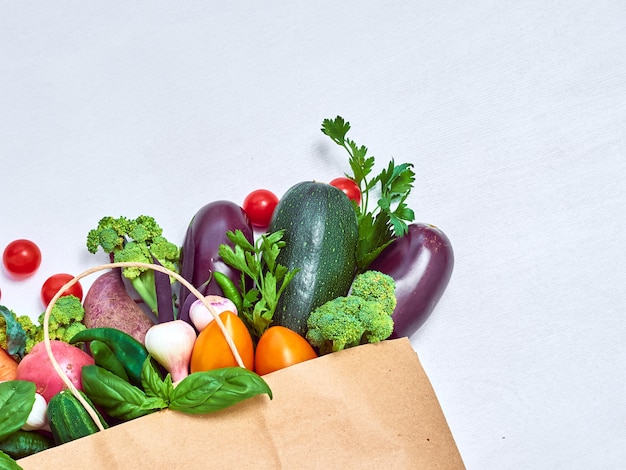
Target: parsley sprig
x=258 y=262
x=378 y=225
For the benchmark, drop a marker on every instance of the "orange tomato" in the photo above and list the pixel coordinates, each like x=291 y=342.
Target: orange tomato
x=280 y=347
x=211 y=351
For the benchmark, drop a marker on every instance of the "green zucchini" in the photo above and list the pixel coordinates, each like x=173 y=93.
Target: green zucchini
x=321 y=234
x=21 y=444
x=69 y=419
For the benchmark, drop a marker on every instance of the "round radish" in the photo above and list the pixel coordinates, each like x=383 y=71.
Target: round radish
x=36 y=367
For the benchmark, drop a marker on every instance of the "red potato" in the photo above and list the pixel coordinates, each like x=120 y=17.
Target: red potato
x=36 y=367
x=108 y=304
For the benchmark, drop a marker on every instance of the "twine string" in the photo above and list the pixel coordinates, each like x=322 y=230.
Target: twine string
x=127 y=264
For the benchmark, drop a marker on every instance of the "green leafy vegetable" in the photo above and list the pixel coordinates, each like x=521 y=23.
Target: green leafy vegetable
x=152 y=382
x=258 y=262
x=19 y=334
x=116 y=396
x=388 y=219
x=198 y=393
x=17 y=398
x=12 y=334
x=214 y=390
x=8 y=463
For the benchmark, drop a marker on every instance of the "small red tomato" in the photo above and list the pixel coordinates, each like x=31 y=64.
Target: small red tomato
x=21 y=258
x=260 y=205
x=349 y=187
x=280 y=347
x=52 y=285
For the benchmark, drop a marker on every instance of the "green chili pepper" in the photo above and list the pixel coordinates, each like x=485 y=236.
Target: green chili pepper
x=231 y=292
x=104 y=357
x=128 y=351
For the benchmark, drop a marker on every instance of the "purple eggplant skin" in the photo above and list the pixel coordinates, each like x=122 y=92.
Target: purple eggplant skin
x=421 y=263
x=199 y=253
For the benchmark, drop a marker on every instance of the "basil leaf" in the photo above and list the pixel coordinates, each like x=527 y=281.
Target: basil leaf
x=153 y=385
x=8 y=463
x=15 y=334
x=214 y=390
x=117 y=397
x=17 y=398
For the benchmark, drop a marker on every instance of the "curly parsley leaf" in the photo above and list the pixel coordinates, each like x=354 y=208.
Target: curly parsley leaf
x=388 y=219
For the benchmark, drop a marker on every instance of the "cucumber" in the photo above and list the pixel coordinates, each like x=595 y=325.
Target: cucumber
x=69 y=419
x=321 y=234
x=21 y=444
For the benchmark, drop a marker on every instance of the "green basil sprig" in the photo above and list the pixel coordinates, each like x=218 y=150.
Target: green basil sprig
x=8 y=463
x=198 y=393
x=117 y=397
x=213 y=390
x=17 y=398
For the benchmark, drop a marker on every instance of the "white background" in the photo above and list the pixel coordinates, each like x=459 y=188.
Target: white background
x=514 y=114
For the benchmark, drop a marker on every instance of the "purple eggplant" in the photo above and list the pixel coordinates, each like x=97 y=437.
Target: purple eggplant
x=421 y=263
x=199 y=258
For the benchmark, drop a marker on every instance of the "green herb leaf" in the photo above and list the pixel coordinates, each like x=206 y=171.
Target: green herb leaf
x=214 y=390
x=258 y=262
x=8 y=463
x=153 y=385
x=117 y=397
x=17 y=398
x=15 y=334
x=380 y=225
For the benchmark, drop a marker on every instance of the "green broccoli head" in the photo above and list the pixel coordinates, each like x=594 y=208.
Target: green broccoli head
x=137 y=240
x=346 y=322
x=376 y=286
x=66 y=318
x=34 y=332
x=110 y=234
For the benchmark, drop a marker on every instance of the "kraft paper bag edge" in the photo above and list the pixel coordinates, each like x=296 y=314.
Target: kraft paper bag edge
x=142 y=443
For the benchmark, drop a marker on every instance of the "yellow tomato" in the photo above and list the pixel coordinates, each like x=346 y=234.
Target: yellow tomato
x=281 y=347
x=211 y=351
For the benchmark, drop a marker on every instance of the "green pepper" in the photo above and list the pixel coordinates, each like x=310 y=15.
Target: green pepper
x=231 y=292
x=128 y=351
x=104 y=357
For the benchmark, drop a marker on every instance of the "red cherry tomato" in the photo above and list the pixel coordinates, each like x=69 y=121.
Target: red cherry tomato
x=260 y=205
x=52 y=285
x=349 y=187
x=21 y=258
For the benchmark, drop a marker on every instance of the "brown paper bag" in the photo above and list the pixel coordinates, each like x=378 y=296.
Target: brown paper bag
x=367 y=407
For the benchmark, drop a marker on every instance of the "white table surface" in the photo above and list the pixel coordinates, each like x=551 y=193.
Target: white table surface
x=514 y=114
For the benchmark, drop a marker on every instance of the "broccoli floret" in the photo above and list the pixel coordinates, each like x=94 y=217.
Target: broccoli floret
x=136 y=240
x=346 y=322
x=34 y=332
x=376 y=286
x=66 y=319
x=363 y=316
